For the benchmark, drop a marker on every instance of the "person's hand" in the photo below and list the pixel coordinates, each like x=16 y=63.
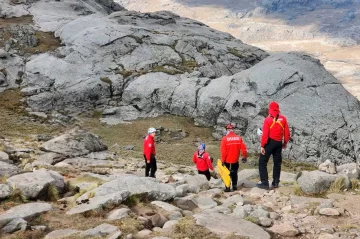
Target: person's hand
x=244 y=160
x=262 y=150
x=284 y=146
x=223 y=163
x=148 y=161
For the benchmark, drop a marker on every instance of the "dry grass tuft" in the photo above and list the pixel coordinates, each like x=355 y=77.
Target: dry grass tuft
x=187 y=228
x=52 y=193
x=338 y=186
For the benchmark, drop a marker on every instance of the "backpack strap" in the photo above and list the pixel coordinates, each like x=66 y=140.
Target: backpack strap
x=275 y=120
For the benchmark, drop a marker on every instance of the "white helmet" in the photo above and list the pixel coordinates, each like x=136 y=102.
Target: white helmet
x=151 y=130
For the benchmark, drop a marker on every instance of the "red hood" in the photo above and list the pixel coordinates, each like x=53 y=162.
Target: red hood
x=274 y=109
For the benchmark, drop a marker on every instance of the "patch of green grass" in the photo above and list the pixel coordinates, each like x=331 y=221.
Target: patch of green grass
x=106 y=80
x=169 y=71
x=252 y=219
x=124 y=73
x=134 y=200
x=3 y=178
x=338 y=186
x=236 y=52
x=295 y=167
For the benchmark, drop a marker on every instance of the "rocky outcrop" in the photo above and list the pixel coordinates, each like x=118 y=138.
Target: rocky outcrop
x=35 y=184
x=75 y=143
x=25 y=211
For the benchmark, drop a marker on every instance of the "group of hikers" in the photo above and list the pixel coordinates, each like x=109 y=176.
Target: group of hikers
x=275 y=136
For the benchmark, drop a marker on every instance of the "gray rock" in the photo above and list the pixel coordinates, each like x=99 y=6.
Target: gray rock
x=87 y=162
x=135 y=185
x=233 y=200
x=5 y=191
x=174 y=215
x=15 y=225
x=286 y=177
x=284 y=229
x=225 y=225
x=100 y=231
x=118 y=214
x=352 y=170
x=62 y=233
x=35 y=184
x=25 y=211
x=166 y=206
x=7 y=169
x=50 y=158
x=158 y=220
x=246 y=174
x=242 y=211
x=265 y=221
x=328 y=167
x=186 y=203
x=259 y=212
x=39 y=114
x=4 y=156
x=75 y=143
x=329 y=212
x=99 y=202
x=218 y=209
x=3 y=53
x=198 y=181
x=38 y=228
x=204 y=203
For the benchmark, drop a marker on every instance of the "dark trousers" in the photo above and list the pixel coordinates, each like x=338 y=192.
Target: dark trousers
x=273 y=148
x=206 y=173
x=150 y=167
x=233 y=168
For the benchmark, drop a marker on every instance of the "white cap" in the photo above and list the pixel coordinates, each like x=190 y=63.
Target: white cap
x=151 y=130
x=259 y=132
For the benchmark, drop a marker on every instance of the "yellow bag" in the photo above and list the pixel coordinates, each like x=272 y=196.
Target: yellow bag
x=224 y=173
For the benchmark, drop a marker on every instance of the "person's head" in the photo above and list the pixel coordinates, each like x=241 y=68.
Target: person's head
x=152 y=131
x=274 y=109
x=202 y=147
x=230 y=127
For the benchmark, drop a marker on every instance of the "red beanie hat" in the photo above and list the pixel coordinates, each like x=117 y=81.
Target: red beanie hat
x=274 y=108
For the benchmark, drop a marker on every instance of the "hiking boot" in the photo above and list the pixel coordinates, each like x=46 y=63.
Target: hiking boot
x=227 y=189
x=234 y=188
x=263 y=186
x=275 y=185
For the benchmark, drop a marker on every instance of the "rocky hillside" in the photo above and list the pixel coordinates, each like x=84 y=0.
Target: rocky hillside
x=129 y=65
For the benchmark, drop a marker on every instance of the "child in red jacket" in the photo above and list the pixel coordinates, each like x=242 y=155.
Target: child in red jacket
x=203 y=161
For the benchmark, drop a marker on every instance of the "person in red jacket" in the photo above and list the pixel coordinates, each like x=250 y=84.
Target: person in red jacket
x=203 y=161
x=231 y=145
x=150 y=153
x=275 y=136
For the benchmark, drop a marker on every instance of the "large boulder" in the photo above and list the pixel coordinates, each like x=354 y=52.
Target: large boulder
x=318 y=182
x=25 y=211
x=99 y=202
x=136 y=186
x=35 y=184
x=225 y=225
x=74 y=143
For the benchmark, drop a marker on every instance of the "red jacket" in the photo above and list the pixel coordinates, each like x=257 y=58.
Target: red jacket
x=203 y=162
x=231 y=145
x=149 y=146
x=275 y=130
